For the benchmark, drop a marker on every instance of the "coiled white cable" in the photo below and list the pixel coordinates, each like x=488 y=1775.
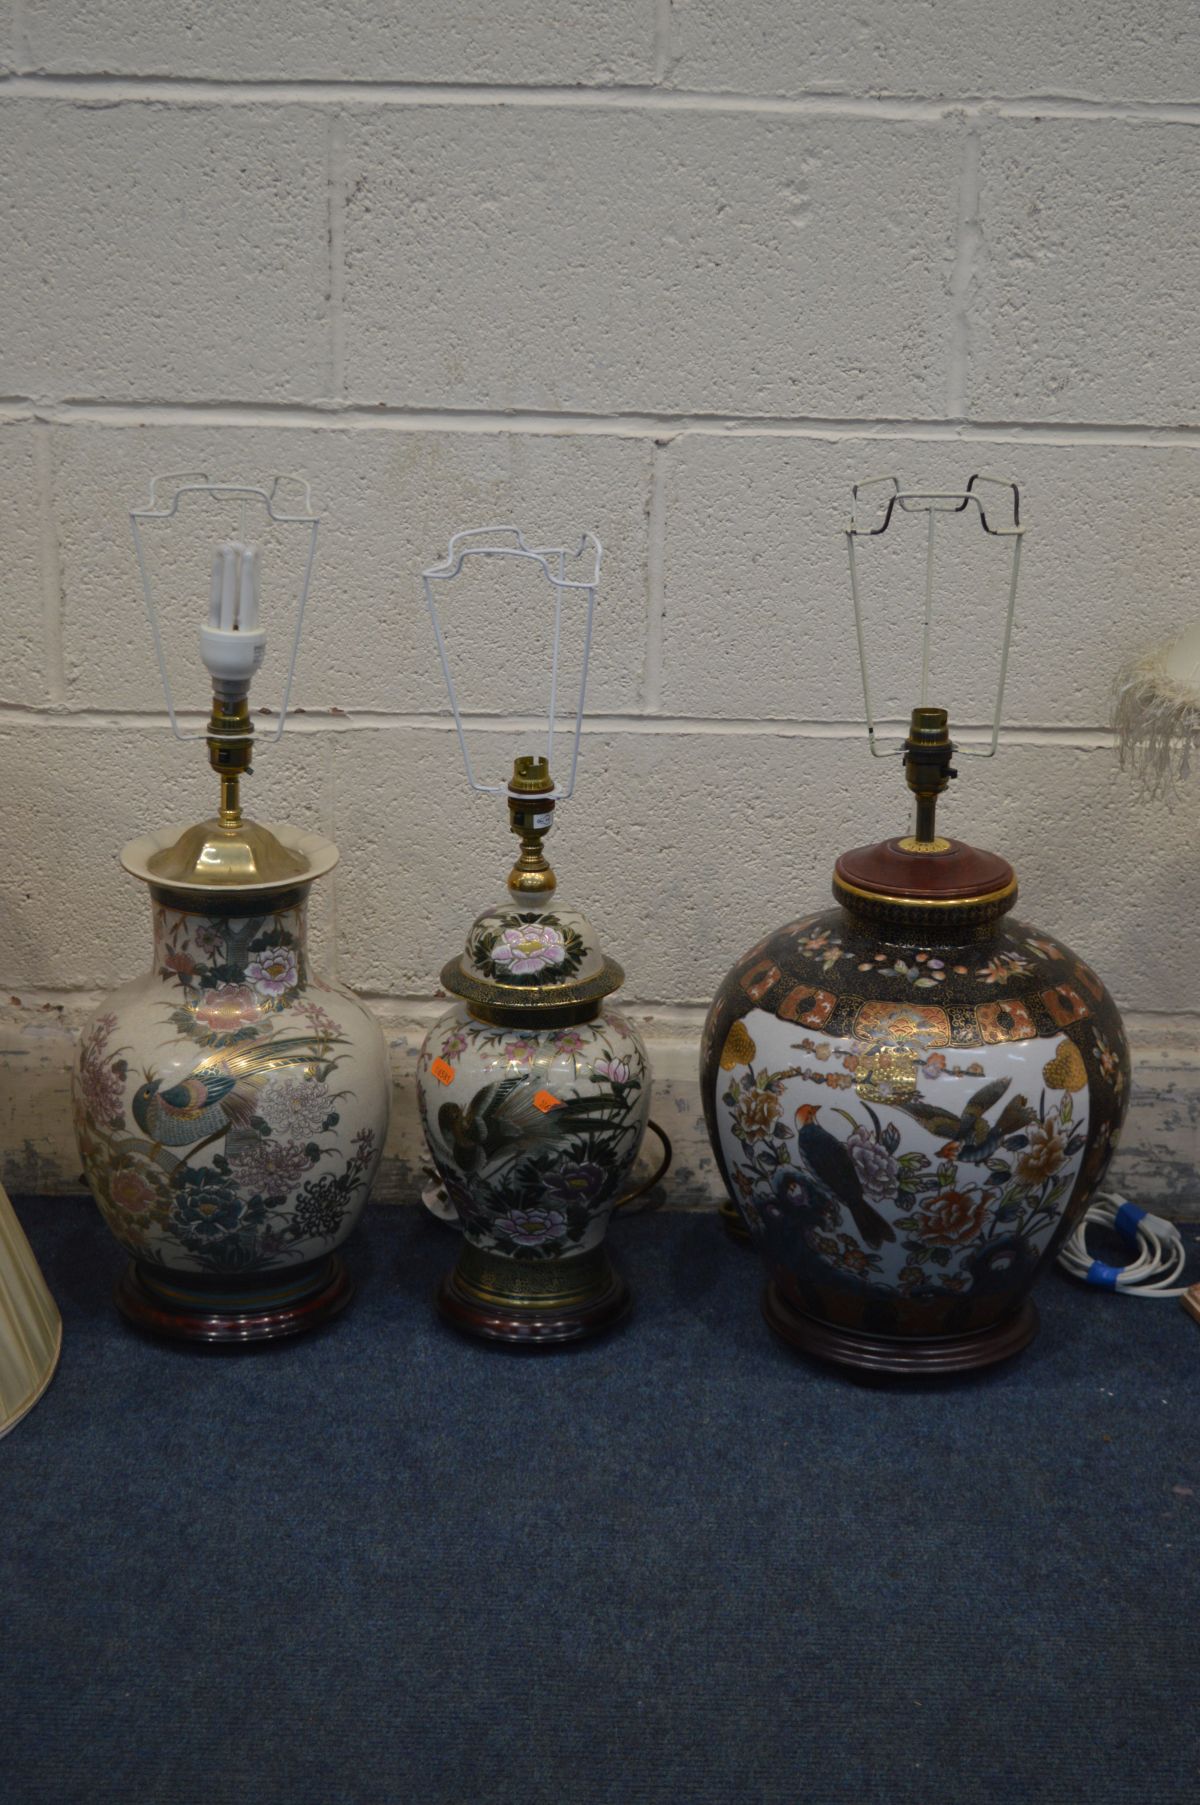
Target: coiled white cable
x=1157 y=1246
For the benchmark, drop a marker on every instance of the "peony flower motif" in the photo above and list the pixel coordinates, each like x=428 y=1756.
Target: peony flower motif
x=228 y=1008
x=520 y=1052
x=615 y=1070
x=952 y=1219
x=269 y=1167
x=296 y=1108
x=207 y=1212
x=756 y=1111
x=567 y=1040
x=1044 y=1154
x=575 y=1184
x=131 y=1190
x=529 y=948
x=877 y=1170
x=453 y=1044
x=273 y=972
x=531 y=1227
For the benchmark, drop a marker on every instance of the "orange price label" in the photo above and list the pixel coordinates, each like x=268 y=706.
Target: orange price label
x=442 y=1072
x=545 y=1102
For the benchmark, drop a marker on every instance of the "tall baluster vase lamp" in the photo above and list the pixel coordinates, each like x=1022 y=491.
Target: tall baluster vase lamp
x=230 y=1104
x=911 y=1096
x=534 y=1091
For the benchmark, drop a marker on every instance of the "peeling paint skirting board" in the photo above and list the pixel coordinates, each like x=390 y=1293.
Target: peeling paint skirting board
x=1157 y=1162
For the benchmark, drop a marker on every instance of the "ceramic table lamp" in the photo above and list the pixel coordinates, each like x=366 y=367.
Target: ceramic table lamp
x=911 y=1096
x=30 y=1325
x=534 y=1091
x=231 y=1104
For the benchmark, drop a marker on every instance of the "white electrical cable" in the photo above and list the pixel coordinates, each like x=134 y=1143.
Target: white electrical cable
x=1157 y=1245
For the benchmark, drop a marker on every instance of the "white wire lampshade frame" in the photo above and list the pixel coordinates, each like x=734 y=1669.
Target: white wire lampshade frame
x=164 y=505
x=879 y=499
x=553 y=562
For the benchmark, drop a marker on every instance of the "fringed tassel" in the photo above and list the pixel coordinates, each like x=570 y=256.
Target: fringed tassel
x=1157 y=723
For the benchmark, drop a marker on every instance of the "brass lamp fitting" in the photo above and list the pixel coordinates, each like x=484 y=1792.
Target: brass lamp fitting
x=927 y=754
x=530 y=816
x=230 y=748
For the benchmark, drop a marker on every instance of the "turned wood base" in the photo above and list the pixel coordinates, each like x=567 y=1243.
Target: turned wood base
x=227 y=1314
x=890 y=1356
x=533 y=1303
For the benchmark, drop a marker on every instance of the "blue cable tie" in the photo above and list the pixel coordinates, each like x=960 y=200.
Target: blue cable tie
x=1105 y=1276
x=1126 y=1222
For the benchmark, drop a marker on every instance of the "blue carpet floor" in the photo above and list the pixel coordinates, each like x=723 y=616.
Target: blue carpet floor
x=680 y=1567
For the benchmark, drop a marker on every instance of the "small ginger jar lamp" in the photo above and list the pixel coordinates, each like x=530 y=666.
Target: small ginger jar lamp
x=911 y=1096
x=534 y=1091
x=230 y=1104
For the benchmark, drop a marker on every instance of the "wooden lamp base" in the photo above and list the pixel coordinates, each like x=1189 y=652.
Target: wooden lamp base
x=527 y=1303
x=222 y=1312
x=895 y=1357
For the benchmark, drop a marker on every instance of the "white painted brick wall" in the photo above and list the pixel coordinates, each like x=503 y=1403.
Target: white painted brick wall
x=672 y=269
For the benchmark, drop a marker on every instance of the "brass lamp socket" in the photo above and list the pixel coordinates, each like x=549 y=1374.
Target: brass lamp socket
x=530 y=817
x=230 y=749
x=928 y=751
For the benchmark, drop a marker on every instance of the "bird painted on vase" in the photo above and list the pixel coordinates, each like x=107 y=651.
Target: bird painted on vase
x=502 y=1116
x=830 y=1170
x=970 y=1136
x=218 y=1094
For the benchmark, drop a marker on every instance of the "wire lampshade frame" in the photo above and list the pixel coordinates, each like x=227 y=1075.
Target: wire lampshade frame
x=554 y=563
x=164 y=505
x=878 y=500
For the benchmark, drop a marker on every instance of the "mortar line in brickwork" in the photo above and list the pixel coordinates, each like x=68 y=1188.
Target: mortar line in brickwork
x=337 y=255
x=1076 y=737
x=382 y=417
x=663 y=40
x=650 y=688
x=51 y=571
x=220 y=91
x=964 y=278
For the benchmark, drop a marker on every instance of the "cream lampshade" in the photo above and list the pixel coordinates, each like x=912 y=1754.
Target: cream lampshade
x=30 y=1325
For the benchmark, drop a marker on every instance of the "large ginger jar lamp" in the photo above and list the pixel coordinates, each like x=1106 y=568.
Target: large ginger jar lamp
x=912 y=1096
x=534 y=1091
x=230 y=1104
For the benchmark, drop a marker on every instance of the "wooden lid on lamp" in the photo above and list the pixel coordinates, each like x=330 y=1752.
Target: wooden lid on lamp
x=951 y=885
